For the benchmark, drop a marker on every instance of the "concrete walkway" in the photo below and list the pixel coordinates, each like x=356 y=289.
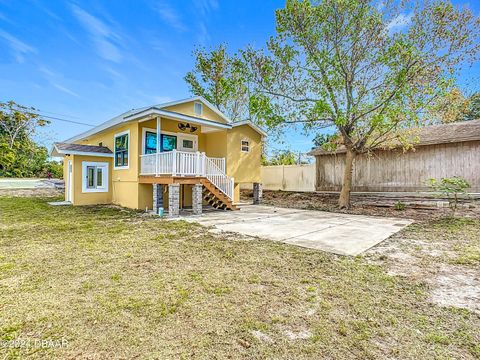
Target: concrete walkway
x=342 y=234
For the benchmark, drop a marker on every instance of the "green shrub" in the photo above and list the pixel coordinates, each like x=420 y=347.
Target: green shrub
x=399 y=206
x=450 y=187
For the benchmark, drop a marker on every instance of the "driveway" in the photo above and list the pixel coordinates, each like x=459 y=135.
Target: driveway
x=342 y=234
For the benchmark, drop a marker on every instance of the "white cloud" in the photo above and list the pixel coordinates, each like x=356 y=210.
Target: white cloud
x=206 y=6
x=53 y=78
x=4 y=18
x=203 y=34
x=18 y=47
x=104 y=38
x=49 y=73
x=399 y=22
x=65 y=90
x=46 y=10
x=170 y=16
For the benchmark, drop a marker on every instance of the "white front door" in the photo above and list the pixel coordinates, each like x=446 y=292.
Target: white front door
x=69 y=189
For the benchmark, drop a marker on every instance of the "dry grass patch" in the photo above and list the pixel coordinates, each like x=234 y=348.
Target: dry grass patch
x=118 y=284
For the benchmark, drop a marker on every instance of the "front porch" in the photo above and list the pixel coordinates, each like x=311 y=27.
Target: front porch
x=176 y=169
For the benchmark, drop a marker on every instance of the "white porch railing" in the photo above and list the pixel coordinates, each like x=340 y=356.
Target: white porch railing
x=183 y=163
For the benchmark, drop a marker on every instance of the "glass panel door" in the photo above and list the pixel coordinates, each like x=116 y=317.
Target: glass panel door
x=168 y=142
x=150 y=142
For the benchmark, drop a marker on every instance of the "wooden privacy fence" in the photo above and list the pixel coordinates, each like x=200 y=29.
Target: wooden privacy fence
x=394 y=170
x=289 y=177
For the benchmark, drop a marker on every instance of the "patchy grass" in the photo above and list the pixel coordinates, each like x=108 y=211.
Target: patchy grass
x=118 y=284
x=457 y=238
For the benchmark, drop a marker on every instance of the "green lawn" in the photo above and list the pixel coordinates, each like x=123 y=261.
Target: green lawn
x=119 y=284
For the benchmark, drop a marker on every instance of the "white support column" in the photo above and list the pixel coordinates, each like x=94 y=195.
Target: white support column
x=174 y=164
x=198 y=164
x=204 y=164
x=157 y=159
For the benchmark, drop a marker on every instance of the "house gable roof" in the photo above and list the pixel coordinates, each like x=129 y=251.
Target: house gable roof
x=154 y=110
x=252 y=125
x=198 y=99
x=430 y=135
x=62 y=149
x=126 y=116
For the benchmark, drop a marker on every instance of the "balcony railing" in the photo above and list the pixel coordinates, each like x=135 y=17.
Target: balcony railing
x=183 y=163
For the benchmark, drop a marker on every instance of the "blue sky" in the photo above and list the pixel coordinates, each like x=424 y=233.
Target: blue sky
x=88 y=61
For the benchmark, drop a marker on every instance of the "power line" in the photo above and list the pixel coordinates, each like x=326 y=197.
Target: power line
x=65 y=120
x=55 y=118
x=39 y=113
x=53 y=113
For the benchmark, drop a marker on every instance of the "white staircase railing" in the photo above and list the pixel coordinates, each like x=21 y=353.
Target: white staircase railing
x=183 y=163
x=218 y=177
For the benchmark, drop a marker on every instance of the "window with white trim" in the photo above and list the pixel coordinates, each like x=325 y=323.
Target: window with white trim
x=95 y=176
x=198 y=108
x=245 y=145
x=121 y=146
x=187 y=144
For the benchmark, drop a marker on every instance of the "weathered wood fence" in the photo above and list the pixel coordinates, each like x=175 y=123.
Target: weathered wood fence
x=397 y=171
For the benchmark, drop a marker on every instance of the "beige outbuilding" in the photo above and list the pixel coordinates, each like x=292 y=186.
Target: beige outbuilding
x=445 y=150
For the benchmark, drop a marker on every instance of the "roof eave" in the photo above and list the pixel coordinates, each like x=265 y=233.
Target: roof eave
x=160 y=112
x=56 y=152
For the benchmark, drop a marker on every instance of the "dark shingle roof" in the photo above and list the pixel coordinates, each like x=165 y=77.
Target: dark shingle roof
x=436 y=134
x=83 y=148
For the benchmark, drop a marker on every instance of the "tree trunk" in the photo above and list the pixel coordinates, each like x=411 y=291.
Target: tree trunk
x=344 y=199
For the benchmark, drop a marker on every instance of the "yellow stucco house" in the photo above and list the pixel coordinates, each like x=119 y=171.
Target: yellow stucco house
x=200 y=158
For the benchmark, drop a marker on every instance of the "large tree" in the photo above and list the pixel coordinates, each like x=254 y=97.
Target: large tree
x=455 y=106
x=20 y=156
x=473 y=107
x=221 y=79
x=370 y=68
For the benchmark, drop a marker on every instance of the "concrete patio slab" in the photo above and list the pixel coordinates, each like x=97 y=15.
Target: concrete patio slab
x=342 y=234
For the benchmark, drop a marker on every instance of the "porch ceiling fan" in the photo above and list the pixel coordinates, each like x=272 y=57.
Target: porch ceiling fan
x=187 y=126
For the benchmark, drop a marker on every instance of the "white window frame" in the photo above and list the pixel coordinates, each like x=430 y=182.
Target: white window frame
x=104 y=167
x=194 y=108
x=126 y=132
x=144 y=137
x=248 y=145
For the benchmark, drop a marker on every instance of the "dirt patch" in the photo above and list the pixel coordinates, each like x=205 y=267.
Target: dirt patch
x=418 y=209
x=456 y=286
x=441 y=254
